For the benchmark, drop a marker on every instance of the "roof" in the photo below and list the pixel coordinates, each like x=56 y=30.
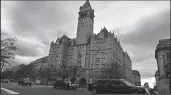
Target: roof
x=86 y=4
x=110 y=79
x=165 y=41
x=135 y=72
x=105 y=31
x=65 y=37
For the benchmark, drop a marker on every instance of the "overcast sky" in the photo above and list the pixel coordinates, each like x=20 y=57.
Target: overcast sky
x=138 y=24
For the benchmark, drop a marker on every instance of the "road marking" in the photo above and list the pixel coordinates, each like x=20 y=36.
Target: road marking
x=9 y=91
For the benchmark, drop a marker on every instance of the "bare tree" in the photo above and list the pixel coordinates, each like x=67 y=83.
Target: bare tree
x=7 y=49
x=64 y=71
x=73 y=70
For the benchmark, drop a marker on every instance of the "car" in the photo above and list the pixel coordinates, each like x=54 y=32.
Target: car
x=59 y=84
x=152 y=91
x=116 y=86
x=6 y=81
x=23 y=82
x=2 y=80
x=11 y=80
x=71 y=86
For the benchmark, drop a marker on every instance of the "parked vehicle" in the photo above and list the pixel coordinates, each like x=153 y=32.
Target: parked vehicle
x=6 y=81
x=116 y=86
x=152 y=91
x=59 y=84
x=71 y=86
x=24 y=82
x=11 y=80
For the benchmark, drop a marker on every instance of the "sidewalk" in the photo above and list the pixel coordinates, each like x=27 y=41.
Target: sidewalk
x=5 y=91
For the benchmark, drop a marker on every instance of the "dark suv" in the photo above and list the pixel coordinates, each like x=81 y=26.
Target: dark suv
x=24 y=83
x=117 y=86
x=59 y=84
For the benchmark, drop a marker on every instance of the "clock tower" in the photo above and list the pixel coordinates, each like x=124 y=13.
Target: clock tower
x=85 y=23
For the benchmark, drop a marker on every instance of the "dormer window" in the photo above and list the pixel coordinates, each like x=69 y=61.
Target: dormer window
x=101 y=35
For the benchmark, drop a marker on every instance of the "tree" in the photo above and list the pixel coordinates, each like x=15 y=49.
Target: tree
x=6 y=74
x=21 y=73
x=73 y=71
x=66 y=71
x=7 y=49
x=25 y=71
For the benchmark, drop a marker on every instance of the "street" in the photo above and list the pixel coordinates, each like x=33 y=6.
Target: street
x=13 y=88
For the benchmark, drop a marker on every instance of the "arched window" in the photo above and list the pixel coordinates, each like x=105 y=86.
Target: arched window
x=79 y=56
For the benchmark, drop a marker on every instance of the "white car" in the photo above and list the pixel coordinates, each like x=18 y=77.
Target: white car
x=6 y=81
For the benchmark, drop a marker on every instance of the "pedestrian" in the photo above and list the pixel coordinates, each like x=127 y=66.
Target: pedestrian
x=70 y=84
x=146 y=85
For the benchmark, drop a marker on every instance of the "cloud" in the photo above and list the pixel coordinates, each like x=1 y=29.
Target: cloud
x=148 y=31
x=147 y=67
x=25 y=60
x=27 y=48
x=151 y=81
x=114 y=15
x=142 y=38
x=41 y=19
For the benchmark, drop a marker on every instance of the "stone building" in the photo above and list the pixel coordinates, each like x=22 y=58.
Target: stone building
x=15 y=68
x=127 y=67
x=136 y=77
x=89 y=52
x=38 y=66
x=157 y=80
x=162 y=55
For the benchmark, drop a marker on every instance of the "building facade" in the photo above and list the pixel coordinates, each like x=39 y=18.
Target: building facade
x=38 y=66
x=15 y=68
x=157 y=80
x=162 y=55
x=90 y=52
x=136 y=77
x=127 y=67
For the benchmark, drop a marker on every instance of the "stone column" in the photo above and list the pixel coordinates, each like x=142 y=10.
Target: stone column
x=161 y=55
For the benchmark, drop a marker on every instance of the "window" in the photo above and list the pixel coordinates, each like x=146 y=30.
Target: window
x=103 y=53
x=97 y=65
x=168 y=57
x=102 y=82
x=57 y=57
x=97 y=59
x=118 y=83
x=79 y=56
x=103 y=65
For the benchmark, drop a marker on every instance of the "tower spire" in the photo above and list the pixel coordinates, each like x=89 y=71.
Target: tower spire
x=86 y=4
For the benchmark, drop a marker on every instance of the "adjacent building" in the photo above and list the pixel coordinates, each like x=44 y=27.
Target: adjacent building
x=162 y=55
x=38 y=66
x=14 y=68
x=157 y=80
x=89 y=52
x=127 y=67
x=136 y=77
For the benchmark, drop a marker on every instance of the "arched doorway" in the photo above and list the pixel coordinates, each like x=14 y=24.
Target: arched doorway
x=82 y=82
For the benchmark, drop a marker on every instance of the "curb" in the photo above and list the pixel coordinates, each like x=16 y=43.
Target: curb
x=9 y=91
